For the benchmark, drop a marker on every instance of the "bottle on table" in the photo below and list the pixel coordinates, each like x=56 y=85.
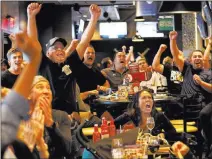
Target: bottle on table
x=104 y=129
x=112 y=128
x=96 y=133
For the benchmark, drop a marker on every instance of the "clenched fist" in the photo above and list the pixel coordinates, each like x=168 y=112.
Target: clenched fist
x=197 y=79
x=95 y=11
x=163 y=47
x=74 y=43
x=173 y=35
x=33 y=9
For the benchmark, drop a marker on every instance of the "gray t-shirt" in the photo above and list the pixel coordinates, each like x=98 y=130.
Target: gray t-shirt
x=115 y=78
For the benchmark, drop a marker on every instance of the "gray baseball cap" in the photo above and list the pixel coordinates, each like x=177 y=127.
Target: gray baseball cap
x=55 y=39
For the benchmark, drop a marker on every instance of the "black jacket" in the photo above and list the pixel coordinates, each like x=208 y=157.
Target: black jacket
x=161 y=123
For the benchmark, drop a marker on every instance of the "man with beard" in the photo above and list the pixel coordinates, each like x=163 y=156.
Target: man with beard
x=116 y=74
x=195 y=79
x=60 y=65
x=15 y=58
x=192 y=71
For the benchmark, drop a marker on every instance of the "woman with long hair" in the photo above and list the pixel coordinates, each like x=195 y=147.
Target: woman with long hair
x=140 y=109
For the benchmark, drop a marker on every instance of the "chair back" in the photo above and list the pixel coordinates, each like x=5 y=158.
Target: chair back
x=192 y=105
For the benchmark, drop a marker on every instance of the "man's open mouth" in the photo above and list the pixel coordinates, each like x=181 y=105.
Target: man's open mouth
x=90 y=58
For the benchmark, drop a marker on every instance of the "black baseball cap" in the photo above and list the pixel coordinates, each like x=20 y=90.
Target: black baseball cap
x=55 y=39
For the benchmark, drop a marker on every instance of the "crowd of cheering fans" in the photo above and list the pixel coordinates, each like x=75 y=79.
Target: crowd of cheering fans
x=42 y=98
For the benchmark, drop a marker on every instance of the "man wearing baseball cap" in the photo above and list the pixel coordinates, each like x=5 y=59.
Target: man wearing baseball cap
x=59 y=64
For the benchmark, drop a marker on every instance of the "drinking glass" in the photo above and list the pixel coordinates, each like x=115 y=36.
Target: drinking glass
x=154 y=145
x=150 y=123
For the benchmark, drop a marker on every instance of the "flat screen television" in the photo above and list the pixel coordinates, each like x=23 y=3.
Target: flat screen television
x=148 y=29
x=166 y=23
x=113 y=30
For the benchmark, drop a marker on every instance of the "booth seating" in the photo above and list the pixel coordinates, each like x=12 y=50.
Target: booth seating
x=190 y=129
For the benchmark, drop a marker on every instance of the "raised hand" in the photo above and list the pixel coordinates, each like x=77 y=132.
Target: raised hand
x=131 y=49
x=74 y=43
x=27 y=44
x=173 y=35
x=45 y=105
x=163 y=47
x=124 y=48
x=95 y=11
x=33 y=9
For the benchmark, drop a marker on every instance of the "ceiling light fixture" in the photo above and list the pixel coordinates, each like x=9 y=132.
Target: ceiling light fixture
x=139 y=19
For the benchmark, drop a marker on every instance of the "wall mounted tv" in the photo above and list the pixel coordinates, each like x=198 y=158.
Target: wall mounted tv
x=113 y=30
x=148 y=29
x=166 y=23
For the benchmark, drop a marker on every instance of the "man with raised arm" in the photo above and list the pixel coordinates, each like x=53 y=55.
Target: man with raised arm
x=192 y=71
x=195 y=80
x=15 y=105
x=167 y=69
x=116 y=74
x=60 y=65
